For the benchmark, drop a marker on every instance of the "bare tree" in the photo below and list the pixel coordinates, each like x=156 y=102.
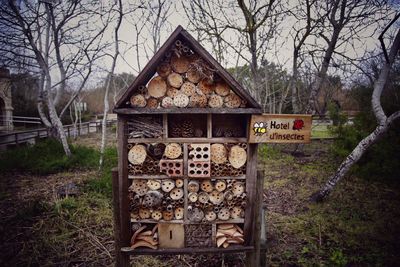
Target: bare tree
x=253 y=29
x=384 y=123
x=120 y=15
x=307 y=18
x=347 y=21
x=49 y=38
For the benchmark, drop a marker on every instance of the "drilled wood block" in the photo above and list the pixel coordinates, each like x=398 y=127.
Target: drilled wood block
x=172 y=168
x=199 y=168
x=199 y=152
x=171 y=235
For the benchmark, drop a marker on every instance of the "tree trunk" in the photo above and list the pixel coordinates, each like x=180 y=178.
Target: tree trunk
x=321 y=76
x=106 y=104
x=384 y=124
x=292 y=84
x=55 y=120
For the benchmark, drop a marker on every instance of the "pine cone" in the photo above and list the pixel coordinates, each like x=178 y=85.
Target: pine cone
x=187 y=129
x=175 y=130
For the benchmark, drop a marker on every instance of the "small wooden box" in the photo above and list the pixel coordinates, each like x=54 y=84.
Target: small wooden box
x=171 y=235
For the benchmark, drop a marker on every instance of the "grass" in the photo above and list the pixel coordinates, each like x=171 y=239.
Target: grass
x=321 y=131
x=47 y=157
x=357 y=226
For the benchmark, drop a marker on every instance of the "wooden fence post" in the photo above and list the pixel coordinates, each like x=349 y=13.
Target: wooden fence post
x=121 y=260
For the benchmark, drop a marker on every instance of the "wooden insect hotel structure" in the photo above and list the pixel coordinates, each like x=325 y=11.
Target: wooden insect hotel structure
x=186 y=172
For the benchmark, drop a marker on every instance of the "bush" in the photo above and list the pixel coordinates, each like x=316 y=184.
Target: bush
x=380 y=161
x=47 y=157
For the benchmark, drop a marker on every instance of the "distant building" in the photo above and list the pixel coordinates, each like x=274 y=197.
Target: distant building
x=6 y=109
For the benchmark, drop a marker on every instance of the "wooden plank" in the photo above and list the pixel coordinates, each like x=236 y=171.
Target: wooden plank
x=150 y=68
x=181 y=251
x=165 y=126
x=162 y=176
x=258 y=213
x=171 y=235
x=236 y=87
x=221 y=222
x=214 y=234
x=251 y=189
x=188 y=140
x=145 y=176
x=209 y=125
x=154 y=221
x=123 y=182
x=280 y=128
x=120 y=258
x=130 y=111
x=185 y=181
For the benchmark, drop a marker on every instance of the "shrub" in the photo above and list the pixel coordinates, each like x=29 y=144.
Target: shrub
x=380 y=161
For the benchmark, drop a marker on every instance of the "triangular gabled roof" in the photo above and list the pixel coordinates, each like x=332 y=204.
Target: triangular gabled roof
x=150 y=69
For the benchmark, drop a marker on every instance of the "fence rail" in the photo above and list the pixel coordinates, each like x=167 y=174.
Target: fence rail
x=30 y=136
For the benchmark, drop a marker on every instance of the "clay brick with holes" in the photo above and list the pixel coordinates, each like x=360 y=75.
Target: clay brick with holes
x=199 y=168
x=172 y=167
x=199 y=152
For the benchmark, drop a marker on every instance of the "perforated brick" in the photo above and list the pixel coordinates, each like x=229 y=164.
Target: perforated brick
x=172 y=167
x=199 y=152
x=199 y=168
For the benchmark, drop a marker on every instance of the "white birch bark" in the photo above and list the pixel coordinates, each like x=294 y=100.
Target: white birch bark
x=108 y=84
x=384 y=124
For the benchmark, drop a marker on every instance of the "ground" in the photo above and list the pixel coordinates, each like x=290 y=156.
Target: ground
x=358 y=226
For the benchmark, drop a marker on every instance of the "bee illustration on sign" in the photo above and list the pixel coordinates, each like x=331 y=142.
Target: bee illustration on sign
x=259 y=128
x=298 y=124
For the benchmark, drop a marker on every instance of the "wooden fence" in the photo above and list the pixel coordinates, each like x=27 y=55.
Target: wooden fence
x=30 y=136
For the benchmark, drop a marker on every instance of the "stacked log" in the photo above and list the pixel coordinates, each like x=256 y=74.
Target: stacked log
x=183 y=80
x=153 y=199
x=228 y=159
x=221 y=199
x=228 y=234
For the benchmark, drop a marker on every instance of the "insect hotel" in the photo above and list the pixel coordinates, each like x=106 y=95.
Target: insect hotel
x=186 y=173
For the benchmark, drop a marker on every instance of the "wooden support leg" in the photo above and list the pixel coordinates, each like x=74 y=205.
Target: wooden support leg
x=121 y=260
x=263 y=249
x=253 y=258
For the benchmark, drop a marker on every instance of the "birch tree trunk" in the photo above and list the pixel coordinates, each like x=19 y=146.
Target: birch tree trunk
x=108 y=84
x=384 y=124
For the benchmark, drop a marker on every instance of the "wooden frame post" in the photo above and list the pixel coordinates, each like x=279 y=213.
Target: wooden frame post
x=121 y=259
x=123 y=205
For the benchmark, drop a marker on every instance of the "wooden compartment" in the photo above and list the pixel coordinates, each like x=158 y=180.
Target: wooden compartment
x=145 y=126
x=216 y=200
x=229 y=125
x=155 y=159
x=228 y=159
x=154 y=200
x=229 y=234
x=187 y=126
x=199 y=235
x=144 y=235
